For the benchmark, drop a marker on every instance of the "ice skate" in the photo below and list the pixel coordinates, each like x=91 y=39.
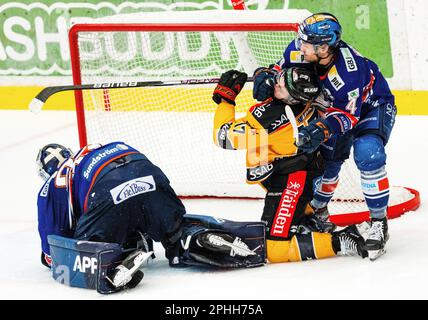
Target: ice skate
x=377 y=237
x=127 y=273
x=349 y=242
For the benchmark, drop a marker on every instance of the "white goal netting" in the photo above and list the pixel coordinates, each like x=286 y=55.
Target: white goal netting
x=173 y=125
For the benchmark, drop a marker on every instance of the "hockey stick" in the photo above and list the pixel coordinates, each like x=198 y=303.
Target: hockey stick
x=292 y=119
x=37 y=103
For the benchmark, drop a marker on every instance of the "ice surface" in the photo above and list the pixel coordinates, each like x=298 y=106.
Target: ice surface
x=400 y=274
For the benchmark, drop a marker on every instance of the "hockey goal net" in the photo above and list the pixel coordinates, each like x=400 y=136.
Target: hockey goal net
x=172 y=125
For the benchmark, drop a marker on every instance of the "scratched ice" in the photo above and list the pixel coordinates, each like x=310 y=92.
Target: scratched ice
x=400 y=274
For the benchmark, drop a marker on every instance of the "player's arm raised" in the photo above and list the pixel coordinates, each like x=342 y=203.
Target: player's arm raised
x=228 y=132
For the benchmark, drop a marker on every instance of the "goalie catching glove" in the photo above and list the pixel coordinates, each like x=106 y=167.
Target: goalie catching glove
x=229 y=86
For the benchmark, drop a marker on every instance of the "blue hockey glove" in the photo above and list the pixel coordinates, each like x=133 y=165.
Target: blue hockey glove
x=311 y=136
x=263 y=83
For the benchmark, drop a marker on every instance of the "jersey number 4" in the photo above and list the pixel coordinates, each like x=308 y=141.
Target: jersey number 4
x=351 y=107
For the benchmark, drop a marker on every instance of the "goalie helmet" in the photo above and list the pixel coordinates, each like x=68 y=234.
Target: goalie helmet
x=319 y=28
x=302 y=84
x=50 y=157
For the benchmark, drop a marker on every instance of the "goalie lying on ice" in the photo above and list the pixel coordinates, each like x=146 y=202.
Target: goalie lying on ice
x=287 y=174
x=100 y=210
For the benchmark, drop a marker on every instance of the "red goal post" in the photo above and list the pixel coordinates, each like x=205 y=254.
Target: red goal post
x=153 y=123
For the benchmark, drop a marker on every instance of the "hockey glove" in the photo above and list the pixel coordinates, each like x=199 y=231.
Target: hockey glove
x=311 y=136
x=263 y=83
x=229 y=86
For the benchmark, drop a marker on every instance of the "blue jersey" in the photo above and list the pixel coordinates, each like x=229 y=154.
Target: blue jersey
x=64 y=196
x=353 y=84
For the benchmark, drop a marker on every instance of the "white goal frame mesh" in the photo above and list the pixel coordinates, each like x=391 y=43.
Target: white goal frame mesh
x=173 y=125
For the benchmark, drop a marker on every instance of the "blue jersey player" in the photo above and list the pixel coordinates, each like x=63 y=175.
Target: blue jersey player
x=361 y=114
x=107 y=203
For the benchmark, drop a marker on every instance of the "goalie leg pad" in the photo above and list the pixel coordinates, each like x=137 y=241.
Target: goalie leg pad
x=84 y=264
x=223 y=243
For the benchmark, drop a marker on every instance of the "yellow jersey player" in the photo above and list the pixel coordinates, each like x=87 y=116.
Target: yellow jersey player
x=279 y=167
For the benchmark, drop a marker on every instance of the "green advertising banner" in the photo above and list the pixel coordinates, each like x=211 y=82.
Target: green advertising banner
x=364 y=24
x=34 y=42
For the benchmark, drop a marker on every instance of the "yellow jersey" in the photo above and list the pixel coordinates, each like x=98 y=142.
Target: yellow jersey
x=265 y=132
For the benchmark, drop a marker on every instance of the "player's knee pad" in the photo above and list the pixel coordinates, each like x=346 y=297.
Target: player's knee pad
x=222 y=243
x=369 y=152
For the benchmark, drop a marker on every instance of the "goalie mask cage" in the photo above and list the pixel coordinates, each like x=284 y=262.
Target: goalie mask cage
x=173 y=125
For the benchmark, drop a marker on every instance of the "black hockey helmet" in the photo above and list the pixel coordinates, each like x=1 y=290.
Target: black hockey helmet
x=302 y=84
x=50 y=157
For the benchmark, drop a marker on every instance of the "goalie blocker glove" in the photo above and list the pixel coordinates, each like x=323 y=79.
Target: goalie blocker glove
x=229 y=86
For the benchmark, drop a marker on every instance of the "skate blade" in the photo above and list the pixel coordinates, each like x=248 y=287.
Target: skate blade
x=375 y=254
